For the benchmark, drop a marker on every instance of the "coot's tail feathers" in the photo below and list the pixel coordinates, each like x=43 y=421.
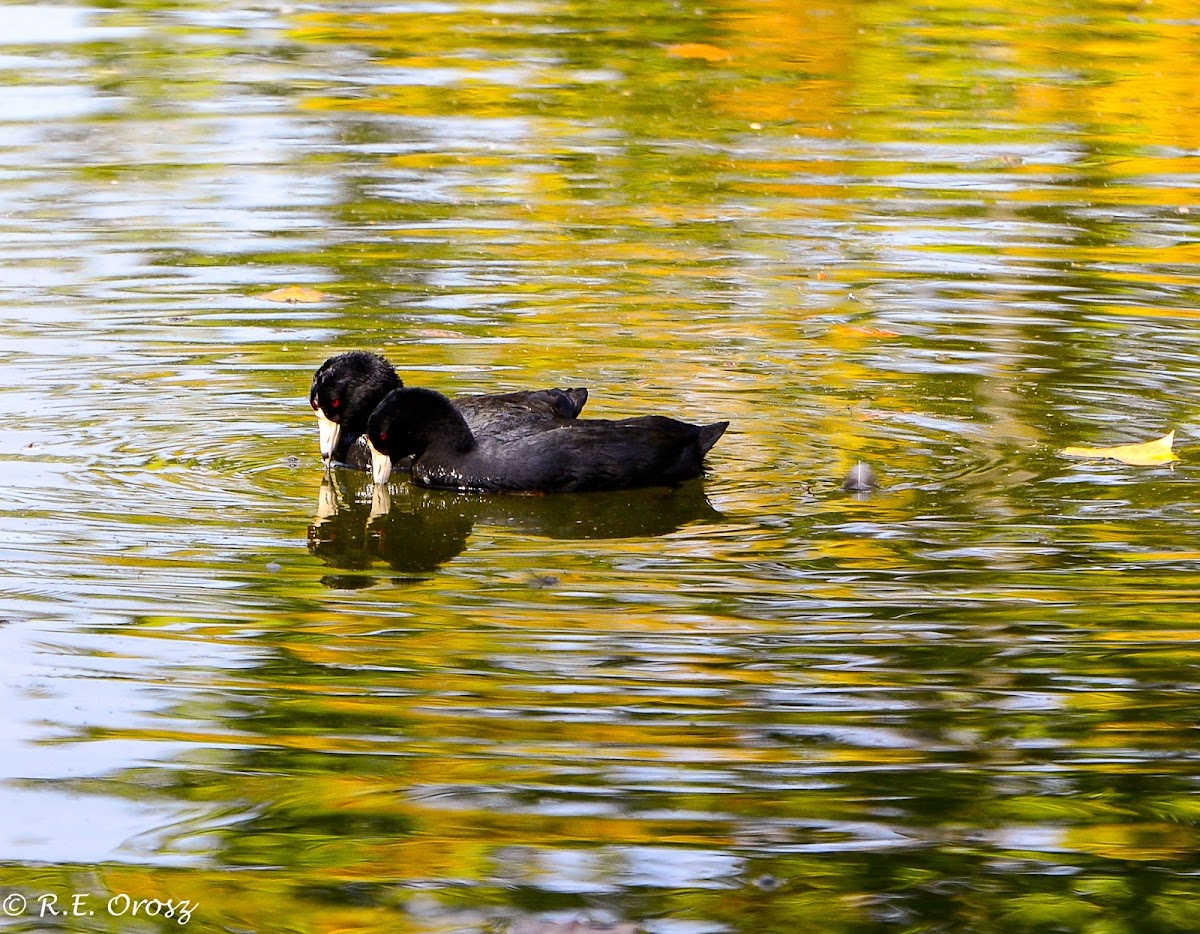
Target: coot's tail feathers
x=710 y=435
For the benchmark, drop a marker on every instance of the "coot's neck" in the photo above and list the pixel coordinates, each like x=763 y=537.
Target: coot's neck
x=441 y=426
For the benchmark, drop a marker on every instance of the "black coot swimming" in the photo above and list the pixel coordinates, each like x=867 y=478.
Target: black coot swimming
x=347 y=387
x=588 y=454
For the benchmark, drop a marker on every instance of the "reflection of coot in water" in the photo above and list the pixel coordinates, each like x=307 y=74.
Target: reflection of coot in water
x=421 y=529
x=338 y=533
x=414 y=536
x=355 y=534
x=640 y=513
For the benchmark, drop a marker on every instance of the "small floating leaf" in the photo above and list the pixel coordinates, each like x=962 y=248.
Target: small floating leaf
x=853 y=330
x=440 y=333
x=1146 y=454
x=295 y=293
x=710 y=53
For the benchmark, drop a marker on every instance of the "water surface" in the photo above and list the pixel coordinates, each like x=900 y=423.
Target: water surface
x=945 y=240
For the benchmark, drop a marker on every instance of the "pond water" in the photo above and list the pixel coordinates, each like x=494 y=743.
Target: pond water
x=944 y=239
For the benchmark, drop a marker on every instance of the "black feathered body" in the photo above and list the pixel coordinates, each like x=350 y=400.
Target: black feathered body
x=588 y=454
x=516 y=412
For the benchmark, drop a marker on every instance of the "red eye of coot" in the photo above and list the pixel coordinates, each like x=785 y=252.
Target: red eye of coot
x=383 y=436
x=336 y=403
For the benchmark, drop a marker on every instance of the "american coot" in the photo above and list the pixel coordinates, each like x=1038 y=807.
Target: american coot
x=347 y=387
x=589 y=454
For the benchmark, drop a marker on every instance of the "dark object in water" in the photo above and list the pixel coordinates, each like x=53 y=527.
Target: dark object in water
x=860 y=479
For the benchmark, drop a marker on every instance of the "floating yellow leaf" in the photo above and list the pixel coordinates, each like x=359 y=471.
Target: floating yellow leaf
x=294 y=294
x=1146 y=454
x=710 y=53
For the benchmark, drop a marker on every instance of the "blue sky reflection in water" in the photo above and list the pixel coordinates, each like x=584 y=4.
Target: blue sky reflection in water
x=946 y=240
